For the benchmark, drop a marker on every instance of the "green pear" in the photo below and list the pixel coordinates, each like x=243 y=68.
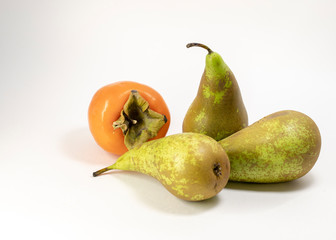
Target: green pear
x=191 y=166
x=280 y=147
x=218 y=109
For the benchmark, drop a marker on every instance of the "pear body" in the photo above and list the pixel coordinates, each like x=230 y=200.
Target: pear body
x=191 y=166
x=218 y=109
x=280 y=147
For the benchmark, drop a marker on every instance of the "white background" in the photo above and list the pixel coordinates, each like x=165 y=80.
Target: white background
x=54 y=55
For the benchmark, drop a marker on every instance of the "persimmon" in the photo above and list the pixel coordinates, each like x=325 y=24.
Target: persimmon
x=125 y=114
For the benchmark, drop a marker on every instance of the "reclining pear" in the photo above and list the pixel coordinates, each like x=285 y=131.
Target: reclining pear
x=281 y=147
x=191 y=166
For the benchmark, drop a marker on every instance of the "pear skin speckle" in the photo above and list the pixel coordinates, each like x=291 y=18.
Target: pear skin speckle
x=200 y=116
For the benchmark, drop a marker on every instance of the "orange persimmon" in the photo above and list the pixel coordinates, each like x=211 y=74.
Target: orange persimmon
x=138 y=110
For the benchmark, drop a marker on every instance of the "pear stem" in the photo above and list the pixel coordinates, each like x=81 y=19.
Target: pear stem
x=95 y=174
x=199 y=45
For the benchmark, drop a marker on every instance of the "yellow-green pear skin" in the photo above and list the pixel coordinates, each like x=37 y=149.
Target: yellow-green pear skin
x=191 y=166
x=218 y=109
x=280 y=147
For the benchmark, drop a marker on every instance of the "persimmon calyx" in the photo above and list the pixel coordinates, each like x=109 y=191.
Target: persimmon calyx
x=138 y=122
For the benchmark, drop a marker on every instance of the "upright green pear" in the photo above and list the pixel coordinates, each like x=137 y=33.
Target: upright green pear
x=191 y=166
x=218 y=109
x=280 y=147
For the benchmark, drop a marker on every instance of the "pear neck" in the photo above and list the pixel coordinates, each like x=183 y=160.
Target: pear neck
x=215 y=65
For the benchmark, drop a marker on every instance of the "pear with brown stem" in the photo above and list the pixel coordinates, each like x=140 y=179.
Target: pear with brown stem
x=191 y=166
x=218 y=109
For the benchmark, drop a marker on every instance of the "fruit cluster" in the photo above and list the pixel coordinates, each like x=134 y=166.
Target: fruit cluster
x=216 y=145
